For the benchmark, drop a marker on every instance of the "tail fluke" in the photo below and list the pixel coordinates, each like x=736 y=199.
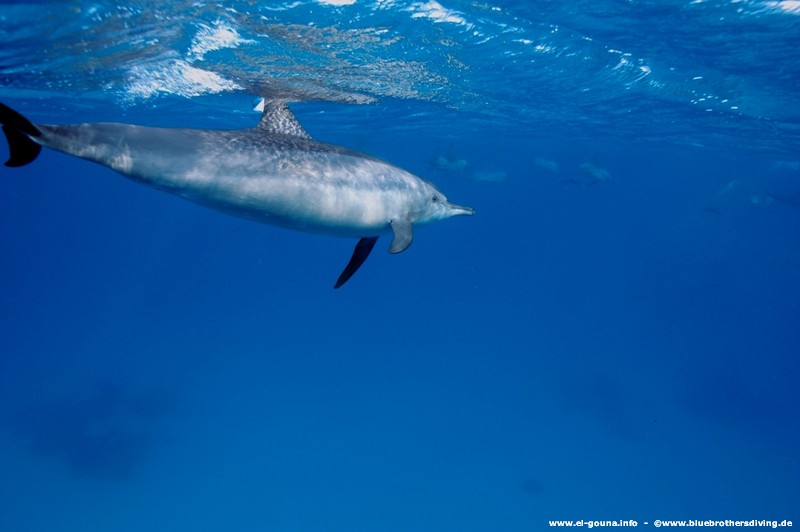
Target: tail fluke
x=19 y=130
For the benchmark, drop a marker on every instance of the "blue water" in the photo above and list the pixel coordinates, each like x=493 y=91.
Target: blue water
x=614 y=334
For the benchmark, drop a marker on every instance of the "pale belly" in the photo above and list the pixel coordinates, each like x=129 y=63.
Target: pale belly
x=328 y=193
x=295 y=204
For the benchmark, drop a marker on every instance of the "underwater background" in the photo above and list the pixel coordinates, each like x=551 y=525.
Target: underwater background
x=614 y=334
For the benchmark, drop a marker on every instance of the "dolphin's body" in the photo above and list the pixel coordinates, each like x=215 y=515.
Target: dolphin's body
x=274 y=173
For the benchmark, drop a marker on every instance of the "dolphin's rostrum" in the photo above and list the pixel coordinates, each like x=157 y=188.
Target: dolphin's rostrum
x=273 y=173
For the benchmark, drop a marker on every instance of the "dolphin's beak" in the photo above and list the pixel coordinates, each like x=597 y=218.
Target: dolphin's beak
x=456 y=210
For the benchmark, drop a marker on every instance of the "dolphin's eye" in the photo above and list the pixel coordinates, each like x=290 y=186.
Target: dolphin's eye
x=435 y=199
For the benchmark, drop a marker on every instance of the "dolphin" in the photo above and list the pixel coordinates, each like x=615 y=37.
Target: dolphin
x=273 y=173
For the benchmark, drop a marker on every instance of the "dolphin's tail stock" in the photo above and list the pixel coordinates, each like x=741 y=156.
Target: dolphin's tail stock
x=19 y=134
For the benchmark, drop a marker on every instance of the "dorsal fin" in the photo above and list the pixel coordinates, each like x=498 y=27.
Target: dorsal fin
x=276 y=117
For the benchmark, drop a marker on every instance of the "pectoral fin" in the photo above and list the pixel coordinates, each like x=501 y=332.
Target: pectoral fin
x=403 y=235
x=360 y=254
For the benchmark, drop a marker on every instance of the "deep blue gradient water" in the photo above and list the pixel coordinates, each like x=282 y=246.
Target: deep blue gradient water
x=614 y=335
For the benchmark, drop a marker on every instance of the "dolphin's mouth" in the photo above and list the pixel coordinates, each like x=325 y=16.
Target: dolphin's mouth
x=456 y=210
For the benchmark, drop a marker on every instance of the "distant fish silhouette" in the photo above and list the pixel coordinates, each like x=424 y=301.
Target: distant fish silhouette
x=105 y=432
x=787 y=165
x=723 y=188
x=547 y=164
x=761 y=200
x=442 y=162
x=449 y=162
x=589 y=174
x=490 y=176
x=746 y=195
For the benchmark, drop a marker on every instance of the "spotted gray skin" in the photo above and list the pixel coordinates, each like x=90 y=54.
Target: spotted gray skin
x=274 y=173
